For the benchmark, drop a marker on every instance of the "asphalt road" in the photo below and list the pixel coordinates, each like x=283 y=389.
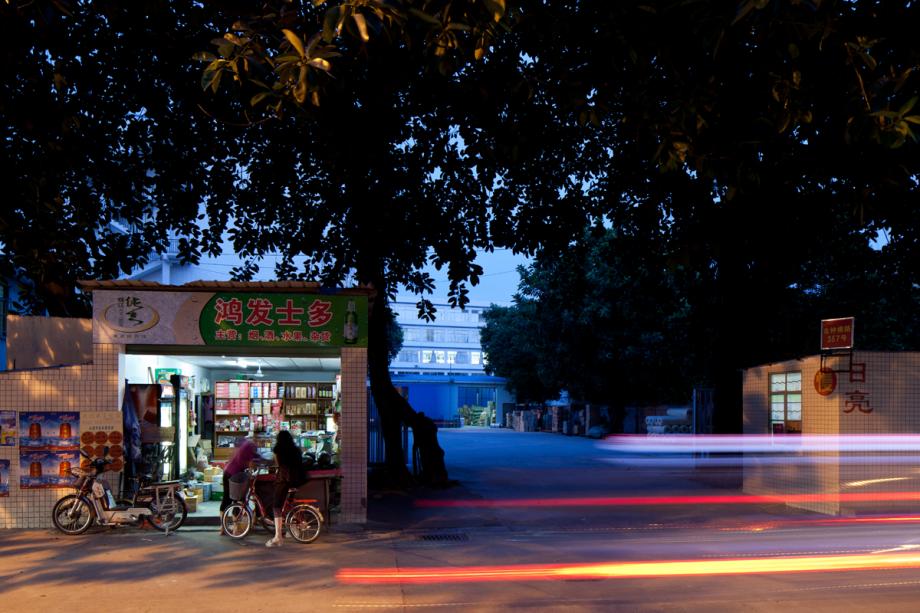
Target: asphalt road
x=537 y=523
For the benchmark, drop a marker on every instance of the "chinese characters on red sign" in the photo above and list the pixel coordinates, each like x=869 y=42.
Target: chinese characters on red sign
x=837 y=333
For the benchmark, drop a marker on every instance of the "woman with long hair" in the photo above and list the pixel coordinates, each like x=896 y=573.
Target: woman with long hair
x=291 y=473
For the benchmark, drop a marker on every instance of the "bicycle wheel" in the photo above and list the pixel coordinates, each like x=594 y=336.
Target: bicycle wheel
x=304 y=523
x=236 y=520
x=72 y=514
x=172 y=514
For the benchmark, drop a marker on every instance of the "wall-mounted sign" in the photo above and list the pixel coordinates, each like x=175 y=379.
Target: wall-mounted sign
x=44 y=468
x=244 y=319
x=4 y=477
x=837 y=333
x=825 y=381
x=49 y=431
x=7 y=428
x=101 y=430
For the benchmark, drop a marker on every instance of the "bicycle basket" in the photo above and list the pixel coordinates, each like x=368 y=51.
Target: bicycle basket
x=238 y=489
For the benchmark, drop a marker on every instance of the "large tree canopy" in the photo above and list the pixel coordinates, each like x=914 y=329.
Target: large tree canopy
x=374 y=137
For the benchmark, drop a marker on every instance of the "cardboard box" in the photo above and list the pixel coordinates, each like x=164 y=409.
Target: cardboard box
x=191 y=503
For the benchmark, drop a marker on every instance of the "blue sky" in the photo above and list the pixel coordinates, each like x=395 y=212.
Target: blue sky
x=497 y=285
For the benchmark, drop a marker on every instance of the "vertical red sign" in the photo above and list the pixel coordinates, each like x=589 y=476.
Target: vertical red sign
x=837 y=333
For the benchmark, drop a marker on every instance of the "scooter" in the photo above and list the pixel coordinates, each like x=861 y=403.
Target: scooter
x=93 y=503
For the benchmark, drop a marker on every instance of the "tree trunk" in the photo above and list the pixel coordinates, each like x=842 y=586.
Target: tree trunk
x=395 y=410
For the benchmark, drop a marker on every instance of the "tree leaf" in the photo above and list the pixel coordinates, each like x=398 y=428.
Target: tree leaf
x=320 y=63
x=295 y=41
x=300 y=90
x=906 y=108
x=362 y=26
x=258 y=98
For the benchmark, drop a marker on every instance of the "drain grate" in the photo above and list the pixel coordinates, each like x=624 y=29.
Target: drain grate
x=449 y=537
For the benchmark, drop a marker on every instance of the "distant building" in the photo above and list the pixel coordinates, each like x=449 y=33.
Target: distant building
x=442 y=366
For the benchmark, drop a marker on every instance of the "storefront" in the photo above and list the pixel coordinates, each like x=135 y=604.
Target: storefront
x=203 y=365
x=838 y=405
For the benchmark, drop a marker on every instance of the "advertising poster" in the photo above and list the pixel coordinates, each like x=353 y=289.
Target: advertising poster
x=47 y=469
x=7 y=428
x=101 y=431
x=4 y=477
x=49 y=431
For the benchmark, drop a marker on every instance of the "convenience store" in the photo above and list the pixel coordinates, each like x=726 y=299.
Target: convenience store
x=205 y=364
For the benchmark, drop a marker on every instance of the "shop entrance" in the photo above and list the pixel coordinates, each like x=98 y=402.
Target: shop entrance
x=195 y=409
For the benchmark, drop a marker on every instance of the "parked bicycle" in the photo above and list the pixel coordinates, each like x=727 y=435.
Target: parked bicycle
x=93 y=503
x=302 y=519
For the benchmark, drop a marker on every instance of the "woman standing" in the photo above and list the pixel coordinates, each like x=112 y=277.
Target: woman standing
x=245 y=457
x=291 y=473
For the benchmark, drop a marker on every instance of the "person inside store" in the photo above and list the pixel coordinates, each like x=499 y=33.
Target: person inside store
x=245 y=456
x=291 y=473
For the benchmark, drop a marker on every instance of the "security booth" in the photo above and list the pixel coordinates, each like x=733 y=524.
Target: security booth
x=200 y=366
x=855 y=414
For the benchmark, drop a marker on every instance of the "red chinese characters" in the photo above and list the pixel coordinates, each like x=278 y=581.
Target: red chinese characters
x=857 y=401
x=260 y=310
x=229 y=310
x=289 y=311
x=320 y=313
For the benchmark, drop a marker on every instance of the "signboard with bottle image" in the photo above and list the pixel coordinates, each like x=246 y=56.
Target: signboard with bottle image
x=4 y=477
x=7 y=428
x=284 y=320
x=328 y=318
x=47 y=469
x=50 y=431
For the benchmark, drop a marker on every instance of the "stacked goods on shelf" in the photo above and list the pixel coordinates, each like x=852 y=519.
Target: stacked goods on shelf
x=263 y=408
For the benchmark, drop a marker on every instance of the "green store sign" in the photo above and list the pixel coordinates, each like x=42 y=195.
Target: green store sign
x=284 y=320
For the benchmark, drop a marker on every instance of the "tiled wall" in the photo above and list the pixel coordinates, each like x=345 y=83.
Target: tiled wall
x=91 y=387
x=353 y=438
x=878 y=394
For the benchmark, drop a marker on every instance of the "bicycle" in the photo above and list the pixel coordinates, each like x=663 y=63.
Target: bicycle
x=301 y=518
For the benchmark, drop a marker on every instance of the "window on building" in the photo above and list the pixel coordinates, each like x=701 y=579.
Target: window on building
x=408 y=355
x=414 y=334
x=463 y=357
x=786 y=402
x=427 y=356
x=475 y=357
x=451 y=357
x=440 y=357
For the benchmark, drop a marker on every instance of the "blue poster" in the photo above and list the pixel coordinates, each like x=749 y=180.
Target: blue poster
x=4 y=477
x=7 y=428
x=49 y=431
x=38 y=469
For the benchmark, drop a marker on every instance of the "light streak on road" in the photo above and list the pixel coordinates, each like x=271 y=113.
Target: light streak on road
x=762 y=443
x=625 y=501
x=630 y=570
